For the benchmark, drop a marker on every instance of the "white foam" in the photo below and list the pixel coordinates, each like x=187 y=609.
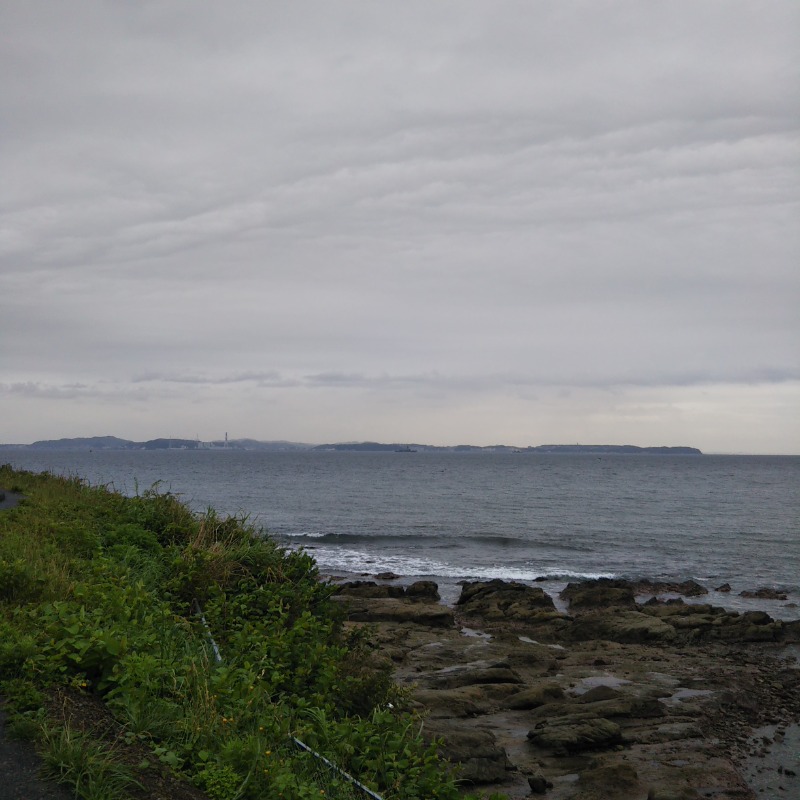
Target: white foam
x=352 y=560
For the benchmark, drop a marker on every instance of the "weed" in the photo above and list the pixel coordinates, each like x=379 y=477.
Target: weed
x=99 y=592
x=84 y=764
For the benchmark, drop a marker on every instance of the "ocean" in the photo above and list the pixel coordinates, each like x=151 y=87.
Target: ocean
x=538 y=518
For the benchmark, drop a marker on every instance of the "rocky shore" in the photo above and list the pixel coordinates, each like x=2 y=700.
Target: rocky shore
x=617 y=698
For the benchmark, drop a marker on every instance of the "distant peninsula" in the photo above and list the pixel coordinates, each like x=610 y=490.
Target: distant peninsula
x=115 y=443
x=563 y=449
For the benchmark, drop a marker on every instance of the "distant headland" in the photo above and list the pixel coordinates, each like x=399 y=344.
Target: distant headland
x=115 y=443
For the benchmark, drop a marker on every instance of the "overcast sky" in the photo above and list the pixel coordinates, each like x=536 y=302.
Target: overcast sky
x=446 y=222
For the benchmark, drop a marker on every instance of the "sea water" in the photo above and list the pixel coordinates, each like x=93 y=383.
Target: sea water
x=517 y=516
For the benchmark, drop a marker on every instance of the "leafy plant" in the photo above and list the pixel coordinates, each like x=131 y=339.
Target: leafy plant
x=210 y=645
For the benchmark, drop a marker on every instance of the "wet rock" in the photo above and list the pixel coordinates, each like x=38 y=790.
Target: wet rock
x=476 y=750
x=526 y=654
x=535 y=696
x=502 y=600
x=765 y=593
x=623 y=626
x=447 y=703
x=607 y=780
x=627 y=706
x=463 y=701
x=753 y=626
x=423 y=591
x=600 y=593
x=687 y=588
x=670 y=610
x=387 y=576
x=726 y=587
x=714 y=688
x=668 y=732
x=791 y=631
x=574 y=735
x=704 y=621
x=471 y=674
x=597 y=693
x=697 y=622
x=361 y=609
x=369 y=589
x=538 y=784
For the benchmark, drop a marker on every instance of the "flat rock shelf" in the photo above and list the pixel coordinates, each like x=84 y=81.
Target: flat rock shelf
x=614 y=698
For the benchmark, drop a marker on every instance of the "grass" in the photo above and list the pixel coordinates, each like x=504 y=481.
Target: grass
x=98 y=601
x=85 y=764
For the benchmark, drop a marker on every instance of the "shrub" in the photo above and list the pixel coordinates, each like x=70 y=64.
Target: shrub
x=18 y=580
x=100 y=593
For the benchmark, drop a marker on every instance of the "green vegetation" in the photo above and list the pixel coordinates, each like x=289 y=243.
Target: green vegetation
x=108 y=606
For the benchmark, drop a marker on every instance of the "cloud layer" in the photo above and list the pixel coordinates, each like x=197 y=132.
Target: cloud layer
x=460 y=221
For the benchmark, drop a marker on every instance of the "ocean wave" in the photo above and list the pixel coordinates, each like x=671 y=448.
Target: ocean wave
x=346 y=560
x=434 y=539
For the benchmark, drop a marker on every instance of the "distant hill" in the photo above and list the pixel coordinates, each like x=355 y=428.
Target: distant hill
x=83 y=443
x=564 y=449
x=115 y=443
x=614 y=448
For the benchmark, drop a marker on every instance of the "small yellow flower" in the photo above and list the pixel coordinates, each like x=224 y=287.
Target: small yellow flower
x=268 y=752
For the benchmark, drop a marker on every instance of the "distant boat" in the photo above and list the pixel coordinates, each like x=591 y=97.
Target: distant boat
x=405 y=449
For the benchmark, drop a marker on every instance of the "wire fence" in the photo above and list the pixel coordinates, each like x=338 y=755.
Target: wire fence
x=312 y=767
x=323 y=773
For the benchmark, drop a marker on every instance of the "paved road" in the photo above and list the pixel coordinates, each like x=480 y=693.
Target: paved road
x=19 y=771
x=19 y=763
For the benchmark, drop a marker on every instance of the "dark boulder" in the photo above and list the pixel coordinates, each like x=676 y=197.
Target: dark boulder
x=501 y=600
x=687 y=588
x=477 y=673
x=388 y=609
x=475 y=750
x=535 y=696
x=538 y=784
x=764 y=593
x=369 y=589
x=423 y=592
x=600 y=593
x=631 y=627
x=565 y=735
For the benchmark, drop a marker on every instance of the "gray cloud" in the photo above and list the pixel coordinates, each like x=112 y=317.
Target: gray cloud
x=439 y=202
x=259 y=378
